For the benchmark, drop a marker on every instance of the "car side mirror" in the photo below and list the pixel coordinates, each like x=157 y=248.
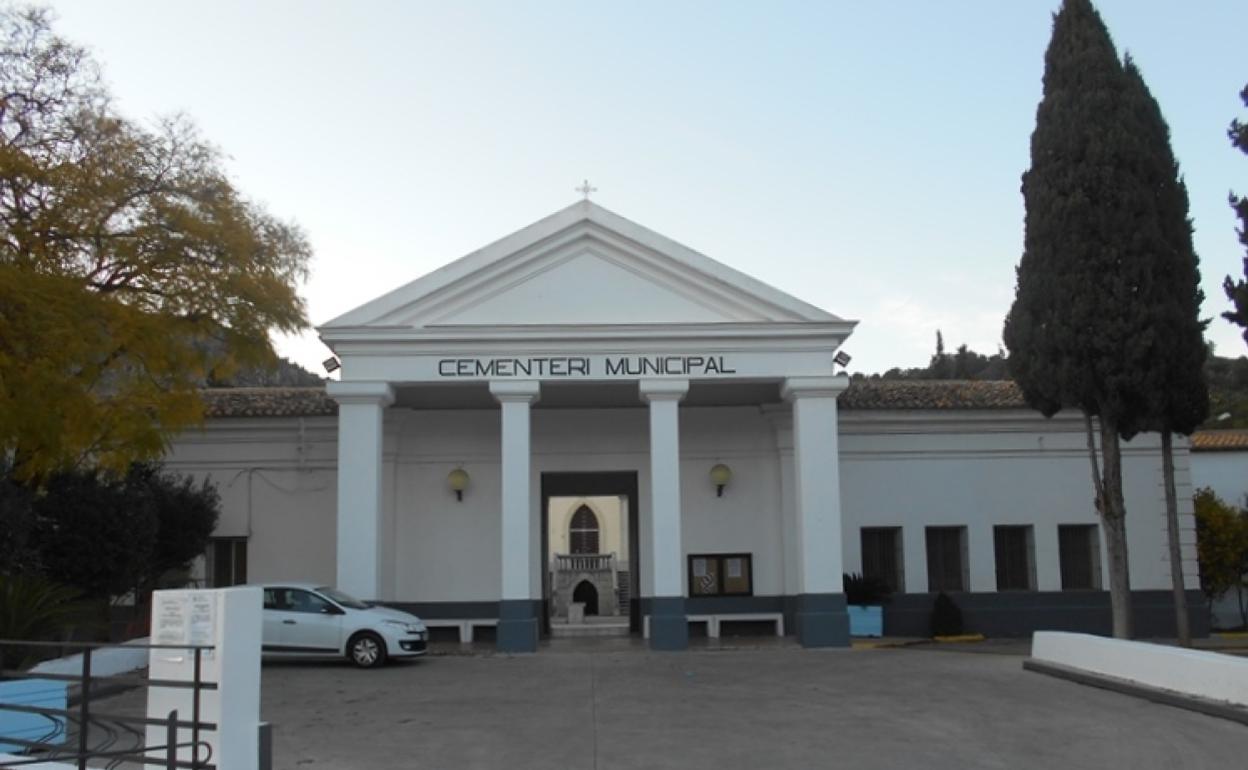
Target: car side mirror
x=329 y=609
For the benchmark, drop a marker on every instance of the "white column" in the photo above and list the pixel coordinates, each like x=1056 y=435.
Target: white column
x=518 y=611
x=361 y=406
x=668 y=626
x=821 y=618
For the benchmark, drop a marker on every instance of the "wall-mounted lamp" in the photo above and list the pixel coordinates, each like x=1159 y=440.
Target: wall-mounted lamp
x=720 y=476
x=457 y=480
x=331 y=364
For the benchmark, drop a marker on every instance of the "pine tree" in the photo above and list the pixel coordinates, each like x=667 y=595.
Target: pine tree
x=1081 y=333
x=1179 y=390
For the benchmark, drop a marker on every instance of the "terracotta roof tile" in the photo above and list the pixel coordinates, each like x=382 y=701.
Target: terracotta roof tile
x=268 y=402
x=1231 y=440
x=932 y=394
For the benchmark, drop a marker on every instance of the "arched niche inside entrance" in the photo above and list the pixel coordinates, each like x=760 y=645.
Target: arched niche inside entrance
x=585 y=593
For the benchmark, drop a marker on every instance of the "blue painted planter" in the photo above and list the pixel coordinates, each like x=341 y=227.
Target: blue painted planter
x=866 y=621
x=31 y=727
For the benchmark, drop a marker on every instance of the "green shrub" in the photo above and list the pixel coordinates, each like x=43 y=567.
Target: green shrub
x=946 y=617
x=35 y=609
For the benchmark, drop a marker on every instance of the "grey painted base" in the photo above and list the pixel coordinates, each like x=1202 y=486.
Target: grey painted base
x=1019 y=613
x=669 y=627
x=518 y=625
x=821 y=620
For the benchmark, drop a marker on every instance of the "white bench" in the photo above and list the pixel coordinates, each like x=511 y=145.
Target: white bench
x=465 y=625
x=713 y=622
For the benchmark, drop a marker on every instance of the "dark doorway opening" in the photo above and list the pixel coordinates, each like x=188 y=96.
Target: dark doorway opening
x=622 y=484
x=586 y=594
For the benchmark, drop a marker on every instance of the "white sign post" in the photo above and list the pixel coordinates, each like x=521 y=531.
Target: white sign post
x=229 y=621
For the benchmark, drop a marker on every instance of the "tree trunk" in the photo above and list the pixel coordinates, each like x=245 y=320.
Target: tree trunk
x=1243 y=608
x=1172 y=529
x=1114 y=525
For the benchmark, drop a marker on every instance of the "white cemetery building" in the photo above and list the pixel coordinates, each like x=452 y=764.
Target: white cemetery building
x=587 y=415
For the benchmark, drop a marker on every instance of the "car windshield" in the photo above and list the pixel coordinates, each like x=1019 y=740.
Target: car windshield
x=346 y=600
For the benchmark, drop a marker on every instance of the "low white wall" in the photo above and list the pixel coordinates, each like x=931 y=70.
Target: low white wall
x=106 y=661
x=1192 y=672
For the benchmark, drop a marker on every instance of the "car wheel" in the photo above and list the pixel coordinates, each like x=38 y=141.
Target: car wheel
x=366 y=650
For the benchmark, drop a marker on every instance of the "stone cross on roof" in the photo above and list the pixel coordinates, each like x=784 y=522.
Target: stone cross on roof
x=585 y=189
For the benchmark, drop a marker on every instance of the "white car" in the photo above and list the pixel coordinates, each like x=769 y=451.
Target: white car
x=307 y=619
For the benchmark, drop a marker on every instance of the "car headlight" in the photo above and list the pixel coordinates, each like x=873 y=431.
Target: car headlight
x=412 y=628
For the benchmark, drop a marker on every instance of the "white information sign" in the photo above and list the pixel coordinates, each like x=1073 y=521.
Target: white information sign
x=185 y=617
x=171 y=619
x=201 y=629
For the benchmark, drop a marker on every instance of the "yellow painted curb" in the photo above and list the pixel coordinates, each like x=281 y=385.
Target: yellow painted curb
x=961 y=638
x=1231 y=634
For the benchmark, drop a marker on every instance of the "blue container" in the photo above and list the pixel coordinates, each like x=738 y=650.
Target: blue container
x=866 y=621
x=44 y=693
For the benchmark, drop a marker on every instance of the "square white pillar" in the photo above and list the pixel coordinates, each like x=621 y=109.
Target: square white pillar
x=669 y=628
x=361 y=406
x=227 y=620
x=518 y=611
x=821 y=618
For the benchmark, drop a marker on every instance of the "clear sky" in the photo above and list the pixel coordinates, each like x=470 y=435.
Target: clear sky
x=864 y=156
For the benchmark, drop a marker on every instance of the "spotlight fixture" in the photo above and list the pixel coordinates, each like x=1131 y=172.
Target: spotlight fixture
x=331 y=364
x=841 y=358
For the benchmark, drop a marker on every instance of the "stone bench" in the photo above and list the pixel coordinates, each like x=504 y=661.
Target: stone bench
x=465 y=625
x=714 y=622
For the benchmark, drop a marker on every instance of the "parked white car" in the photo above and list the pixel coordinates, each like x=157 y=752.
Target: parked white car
x=307 y=619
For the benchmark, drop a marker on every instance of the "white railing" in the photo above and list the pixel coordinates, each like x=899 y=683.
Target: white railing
x=584 y=562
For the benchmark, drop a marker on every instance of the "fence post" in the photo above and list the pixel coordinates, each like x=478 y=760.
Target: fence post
x=266 y=746
x=199 y=673
x=171 y=741
x=84 y=709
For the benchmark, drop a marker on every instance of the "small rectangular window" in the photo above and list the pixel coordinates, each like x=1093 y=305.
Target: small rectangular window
x=721 y=574
x=882 y=556
x=227 y=561
x=1013 y=546
x=1080 y=554
x=946 y=559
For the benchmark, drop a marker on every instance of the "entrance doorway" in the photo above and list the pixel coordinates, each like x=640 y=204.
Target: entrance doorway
x=590 y=559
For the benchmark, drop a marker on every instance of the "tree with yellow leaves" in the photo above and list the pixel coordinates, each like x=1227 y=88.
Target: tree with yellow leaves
x=131 y=269
x=1221 y=548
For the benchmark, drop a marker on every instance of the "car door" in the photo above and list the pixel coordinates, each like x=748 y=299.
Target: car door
x=310 y=623
x=272 y=617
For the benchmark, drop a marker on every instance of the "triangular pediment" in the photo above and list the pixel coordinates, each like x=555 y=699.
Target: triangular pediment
x=581 y=266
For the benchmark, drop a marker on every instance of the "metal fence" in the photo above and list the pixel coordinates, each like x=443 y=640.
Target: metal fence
x=78 y=732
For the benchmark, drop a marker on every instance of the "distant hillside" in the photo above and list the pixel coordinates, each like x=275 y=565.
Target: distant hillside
x=1227 y=378
x=1228 y=392
x=283 y=374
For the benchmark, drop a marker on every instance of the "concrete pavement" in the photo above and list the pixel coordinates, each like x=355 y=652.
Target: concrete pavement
x=778 y=706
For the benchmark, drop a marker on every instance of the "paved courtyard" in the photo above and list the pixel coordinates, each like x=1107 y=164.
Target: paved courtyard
x=778 y=706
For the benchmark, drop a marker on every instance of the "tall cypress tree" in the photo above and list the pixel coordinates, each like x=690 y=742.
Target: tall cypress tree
x=1180 y=395
x=1080 y=332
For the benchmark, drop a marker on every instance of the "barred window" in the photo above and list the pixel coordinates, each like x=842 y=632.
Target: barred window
x=227 y=561
x=1013 y=546
x=1080 y=554
x=946 y=559
x=882 y=556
